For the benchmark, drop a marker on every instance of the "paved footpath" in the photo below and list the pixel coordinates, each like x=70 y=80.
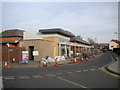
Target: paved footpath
x=113 y=66
x=30 y=64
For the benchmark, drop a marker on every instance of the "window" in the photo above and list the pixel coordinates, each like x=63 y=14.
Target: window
x=112 y=46
x=63 y=40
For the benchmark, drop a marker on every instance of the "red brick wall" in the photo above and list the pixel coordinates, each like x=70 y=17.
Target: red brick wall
x=10 y=38
x=9 y=53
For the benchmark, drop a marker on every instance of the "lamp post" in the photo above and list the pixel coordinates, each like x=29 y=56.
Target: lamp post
x=116 y=34
x=95 y=40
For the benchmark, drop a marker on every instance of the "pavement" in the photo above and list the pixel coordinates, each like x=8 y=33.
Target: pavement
x=33 y=64
x=113 y=67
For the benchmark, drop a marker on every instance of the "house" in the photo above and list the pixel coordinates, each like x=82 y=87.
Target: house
x=114 y=44
x=104 y=46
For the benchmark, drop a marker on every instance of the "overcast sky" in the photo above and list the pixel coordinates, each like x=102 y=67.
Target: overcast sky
x=88 y=19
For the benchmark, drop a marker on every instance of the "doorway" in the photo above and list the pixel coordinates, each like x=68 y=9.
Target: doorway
x=31 y=49
x=68 y=52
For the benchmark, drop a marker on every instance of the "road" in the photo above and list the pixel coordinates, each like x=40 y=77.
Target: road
x=87 y=75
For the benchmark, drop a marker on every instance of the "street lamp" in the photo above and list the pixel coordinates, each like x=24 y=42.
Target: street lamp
x=118 y=37
x=95 y=40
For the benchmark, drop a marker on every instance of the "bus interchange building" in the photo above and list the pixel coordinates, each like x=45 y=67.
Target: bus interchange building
x=52 y=42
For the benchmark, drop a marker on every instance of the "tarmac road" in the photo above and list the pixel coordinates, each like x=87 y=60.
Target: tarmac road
x=87 y=75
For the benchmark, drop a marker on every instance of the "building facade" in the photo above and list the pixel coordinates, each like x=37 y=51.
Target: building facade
x=10 y=45
x=43 y=47
x=114 y=44
x=11 y=38
x=53 y=42
x=104 y=46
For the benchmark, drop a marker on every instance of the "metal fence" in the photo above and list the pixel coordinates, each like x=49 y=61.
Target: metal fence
x=87 y=53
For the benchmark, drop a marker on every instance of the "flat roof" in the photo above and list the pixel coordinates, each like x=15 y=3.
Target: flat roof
x=72 y=39
x=57 y=31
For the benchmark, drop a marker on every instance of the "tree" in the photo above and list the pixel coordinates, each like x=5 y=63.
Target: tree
x=91 y=41
x=79 y=37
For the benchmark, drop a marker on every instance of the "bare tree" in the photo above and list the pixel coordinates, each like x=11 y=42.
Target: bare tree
x=91 y=41
x=79 y=37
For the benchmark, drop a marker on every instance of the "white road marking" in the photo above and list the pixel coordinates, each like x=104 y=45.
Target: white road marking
x=8 y=77
x=37 y=76
x=77 y=71
x=92 y=69
x=24 y=77
x=58 y=73
x=85 y=70
x=99 y=68
x=71 y=82
x=69 y=72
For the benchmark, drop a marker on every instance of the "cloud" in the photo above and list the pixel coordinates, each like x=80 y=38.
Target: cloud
x=86 y=19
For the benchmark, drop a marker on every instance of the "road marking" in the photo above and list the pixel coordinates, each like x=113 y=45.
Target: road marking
x=37 y=76
x=71 y=82
x=50 y=75
x=99 y=68
x=8 y=77
x=103 y=69
x=69 y=72
x=92 y=69
x=77 y=71
x=58 y=73
x=24 y=77
x=85 y=70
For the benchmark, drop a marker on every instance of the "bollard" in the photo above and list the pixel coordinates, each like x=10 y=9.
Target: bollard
x=56 y=64
x=13 y=60
x=6 y=65
x=75 y=60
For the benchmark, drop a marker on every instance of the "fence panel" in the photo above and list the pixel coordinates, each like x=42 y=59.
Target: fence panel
x=8 y=53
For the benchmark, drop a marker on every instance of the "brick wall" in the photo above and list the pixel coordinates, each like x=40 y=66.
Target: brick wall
x=44 y=47
x=10 y=38
x=9 y=53
x=56 y=41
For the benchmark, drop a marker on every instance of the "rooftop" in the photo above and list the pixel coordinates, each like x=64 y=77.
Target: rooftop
x=72 y=39
x=57 y=31
x=117 y=41
x=12 y=33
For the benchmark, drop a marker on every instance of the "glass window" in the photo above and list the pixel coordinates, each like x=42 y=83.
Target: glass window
x=63 y=40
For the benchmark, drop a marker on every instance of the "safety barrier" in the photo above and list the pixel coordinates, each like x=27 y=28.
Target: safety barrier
x=60 y=60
